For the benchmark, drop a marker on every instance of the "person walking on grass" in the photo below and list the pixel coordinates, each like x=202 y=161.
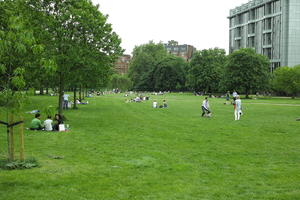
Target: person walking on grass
x=237 y=108
x=205 y=108
x=66 y=101
x=227 y=97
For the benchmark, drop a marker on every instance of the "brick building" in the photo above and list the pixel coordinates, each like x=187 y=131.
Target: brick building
x=121 y=66
x=184 y=51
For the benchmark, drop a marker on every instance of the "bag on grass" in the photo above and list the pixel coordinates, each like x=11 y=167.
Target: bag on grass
x=61 y=127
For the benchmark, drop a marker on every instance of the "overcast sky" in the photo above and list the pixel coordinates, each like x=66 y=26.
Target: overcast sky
x=201 y=23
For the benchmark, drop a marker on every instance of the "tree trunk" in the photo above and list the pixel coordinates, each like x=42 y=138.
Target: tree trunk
x=41 y=91
x=80 y=91
x=74 y=105
x=10 y=134
x=47 y=90
x=21 y=140
x=61 y=93
x=247 y=94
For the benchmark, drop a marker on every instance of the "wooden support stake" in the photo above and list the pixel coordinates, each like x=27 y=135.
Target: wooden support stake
x=21 y=139
x=11 y=145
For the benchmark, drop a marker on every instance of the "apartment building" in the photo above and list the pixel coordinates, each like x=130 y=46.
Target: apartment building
x=184 y=51
x=121 y=66
x=271 y=27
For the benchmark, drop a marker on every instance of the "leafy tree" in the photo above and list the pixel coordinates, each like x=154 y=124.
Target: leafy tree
x=120 y=81
x=287 y=80
x=206 y=70
x=246 y=71
x=169 y=74
x=145 y=58
x=17 y=47
x=75 y=30
x=153 y=69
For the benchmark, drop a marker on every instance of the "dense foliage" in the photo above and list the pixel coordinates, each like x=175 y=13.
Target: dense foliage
x=122 y=82
x=287 y=80
x=206 y=70
x=153 y=69
x=246 y=71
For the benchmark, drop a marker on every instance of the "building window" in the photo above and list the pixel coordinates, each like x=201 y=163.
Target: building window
x=267 y=39
x=239 y=19
x=252 y=15
x=268 y=24
x=251 y=42
x=238 y=32
x=237 y=44
x=268 y=8
x=268 y=52
x=251 y=28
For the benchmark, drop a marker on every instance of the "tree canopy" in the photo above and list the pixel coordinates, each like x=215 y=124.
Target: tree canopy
x=206 y=70
x=153 y=69
x=246 y=71
x=287 y=80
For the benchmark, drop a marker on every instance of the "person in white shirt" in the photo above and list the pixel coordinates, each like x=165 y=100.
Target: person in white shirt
x=154 y=104
x=66 y=101
x=205 y=108
x=48 y=124
x=238 y=108
x=234 y=94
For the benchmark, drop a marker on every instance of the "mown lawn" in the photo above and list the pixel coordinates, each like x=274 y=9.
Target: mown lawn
x=118 y=150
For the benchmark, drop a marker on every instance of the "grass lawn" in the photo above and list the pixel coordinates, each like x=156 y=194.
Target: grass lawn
x=118 y=150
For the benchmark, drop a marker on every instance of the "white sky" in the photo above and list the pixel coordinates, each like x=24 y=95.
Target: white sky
x=201 y=23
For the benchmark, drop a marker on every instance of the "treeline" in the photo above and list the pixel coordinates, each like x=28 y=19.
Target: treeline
x=152 y=68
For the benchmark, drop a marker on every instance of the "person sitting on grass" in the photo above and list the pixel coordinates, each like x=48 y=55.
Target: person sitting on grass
x=48 y=124
x=165 y=105
x=154 y=104
x=36 y=123
x=58 y=120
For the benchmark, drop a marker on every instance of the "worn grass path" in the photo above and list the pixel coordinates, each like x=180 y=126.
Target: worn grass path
x=131 y=151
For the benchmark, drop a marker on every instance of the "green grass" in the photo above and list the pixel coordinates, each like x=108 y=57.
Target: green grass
x=131 y=151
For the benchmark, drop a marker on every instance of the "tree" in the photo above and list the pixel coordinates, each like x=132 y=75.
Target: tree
x=169 y=74
x=120 y=81
x=206 y=70
x=75 y=29
x=145 y=58
x=287 y=80
x=153 y=69
x=246 y=71
x=17 y=50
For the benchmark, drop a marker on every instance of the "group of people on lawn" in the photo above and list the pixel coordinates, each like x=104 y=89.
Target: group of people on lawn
x=36 y=123
x=237 y=105
x=163 y=105
x=67 y=104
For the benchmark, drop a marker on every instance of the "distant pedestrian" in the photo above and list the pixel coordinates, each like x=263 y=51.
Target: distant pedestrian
x=205 y=108
x=234 y=94
x=227 y=97
x=66 y=101
x=238 y=108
